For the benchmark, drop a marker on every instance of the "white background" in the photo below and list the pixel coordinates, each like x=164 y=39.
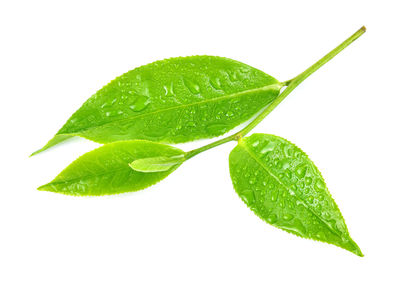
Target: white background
x=192 y=226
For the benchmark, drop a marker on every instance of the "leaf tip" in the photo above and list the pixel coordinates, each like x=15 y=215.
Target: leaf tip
x=353 y=247
x=45 y=188
x=36 y=152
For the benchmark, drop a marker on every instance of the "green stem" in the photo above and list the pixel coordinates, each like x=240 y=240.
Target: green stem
x=291 y=85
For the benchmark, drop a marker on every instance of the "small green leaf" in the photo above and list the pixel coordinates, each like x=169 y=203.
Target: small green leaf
x=156 y=164
x=172 y=101
x=283 y=187
x=106 y=170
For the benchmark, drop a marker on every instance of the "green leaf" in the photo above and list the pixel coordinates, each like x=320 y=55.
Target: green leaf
x=156 y=164
x=283 y=187
x=106 y=170
x=172 y=101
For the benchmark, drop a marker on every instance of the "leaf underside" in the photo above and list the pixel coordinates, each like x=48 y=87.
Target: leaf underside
x=156 y=164
x=172 y=101
x=106 y=170
x=284 y=188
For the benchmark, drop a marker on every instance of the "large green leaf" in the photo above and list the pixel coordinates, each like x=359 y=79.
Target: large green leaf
x=172 y=101
x=106 y=170
x=283 y=187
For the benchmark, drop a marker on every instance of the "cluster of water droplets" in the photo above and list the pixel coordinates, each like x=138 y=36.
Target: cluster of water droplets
x=174 y=100
x=281 y=185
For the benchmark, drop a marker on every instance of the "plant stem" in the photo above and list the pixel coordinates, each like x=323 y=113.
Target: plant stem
x=291 y=85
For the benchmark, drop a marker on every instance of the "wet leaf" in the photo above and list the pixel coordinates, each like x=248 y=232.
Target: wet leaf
x=172 y=101
x=283 y=187
x=106 y=170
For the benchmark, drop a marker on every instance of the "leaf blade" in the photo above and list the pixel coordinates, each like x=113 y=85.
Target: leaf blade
x=106 y=171
x=173 y=101
x=289 y=192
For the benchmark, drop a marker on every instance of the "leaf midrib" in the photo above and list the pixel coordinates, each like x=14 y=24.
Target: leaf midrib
x=288 y=189
x=251 y=91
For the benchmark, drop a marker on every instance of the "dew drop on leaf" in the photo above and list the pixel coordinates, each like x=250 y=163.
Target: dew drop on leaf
x=301 y=171
x=140 y=103
x=268 y=147
x=193 y=87
x=215 y=83
x=229 y=114
x=272 y=218
x=287 y=217
x=255 y=144
x=248 y=197
x=319 y=185
x=274 y=195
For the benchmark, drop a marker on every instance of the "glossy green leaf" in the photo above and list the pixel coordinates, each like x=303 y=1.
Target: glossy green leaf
x=283 y=187
x=172 y=101
x=156 y=164
x=106 y=170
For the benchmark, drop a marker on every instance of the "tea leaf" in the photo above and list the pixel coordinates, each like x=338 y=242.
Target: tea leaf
x=173 y=101
x=106 y=170
x=283 y=187
x=156 y=164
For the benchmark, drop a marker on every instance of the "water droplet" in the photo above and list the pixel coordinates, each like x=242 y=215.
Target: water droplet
x=169 y=90
x=300 y=184
x=287 y=150
x=252 y=181
x=310 y=199
x=140 y=103
x=232 y=76
x=229 y=114
x=285 y=164
x=301 y=171
x=308 y=180
x=272 y=218
x=193 y=87
x=248 y=197
x=320 y=235
x=319 y=185
x=274 y=195
x=264 y=183
x=215 y=83
x=254 y=144
x=325 y=215
x=269 y=147
x=287 y=217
